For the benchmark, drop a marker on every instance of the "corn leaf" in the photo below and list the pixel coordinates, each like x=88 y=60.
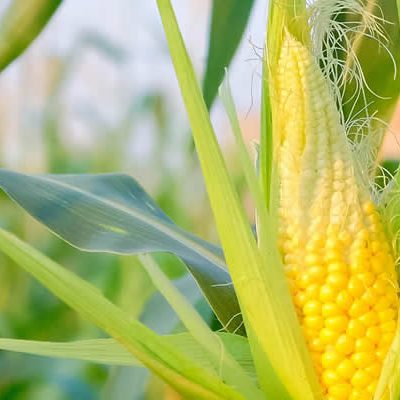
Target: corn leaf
x=230 y=370
x=389 y=382
x=266 y=141
x=176 y=368
x=110 y=352
x=20 y=24
x=273 y=330
x=247 y=166
x=390 y=208
x=228 y=22
x=398 y=8
x=159 y=316
x=112 y=213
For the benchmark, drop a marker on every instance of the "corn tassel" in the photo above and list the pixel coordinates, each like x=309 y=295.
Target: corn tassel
x=337 y=256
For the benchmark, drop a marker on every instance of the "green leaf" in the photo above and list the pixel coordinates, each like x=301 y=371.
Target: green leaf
x=398 y=8
x=20 y=24
x=390 y=209
x=266 y=136
x=176 y=368
x=231 y=372
x=389 y=380
x=110 y=352
x=112 y=213
x=228 y=22
x=272 y=326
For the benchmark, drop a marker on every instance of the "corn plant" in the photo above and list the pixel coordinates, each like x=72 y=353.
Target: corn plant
x=309 y=304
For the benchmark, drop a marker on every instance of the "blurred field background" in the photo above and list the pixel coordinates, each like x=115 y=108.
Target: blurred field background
x=96 y=93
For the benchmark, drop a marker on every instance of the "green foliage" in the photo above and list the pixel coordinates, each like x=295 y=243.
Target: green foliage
x=228 y=22
x=169 y=363
x=21 y=23
x=112 y=213
x=110 y=352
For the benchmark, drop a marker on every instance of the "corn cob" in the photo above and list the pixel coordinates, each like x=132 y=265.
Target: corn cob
x=336 y=254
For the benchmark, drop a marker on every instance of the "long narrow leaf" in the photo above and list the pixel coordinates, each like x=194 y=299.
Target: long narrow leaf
x=20 y=24
x=110 y=352
x=176 y=368
x=230 y=370
x=228 y=22
x=398 y=8
x=112 y=213
x=268 y=312
x=266 y=138
x=247 y=165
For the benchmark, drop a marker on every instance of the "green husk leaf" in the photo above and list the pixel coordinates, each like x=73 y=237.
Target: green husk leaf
x=398 y=8
x=176 y=368
x=390 y=209
x=271 y=323
x=380 y=70
x=228 y=22
x=110 y=352
x=266 y=138
x=290 y=15
x=389 y=381
x=247 y=165
x=112 y=213
x=20 y=24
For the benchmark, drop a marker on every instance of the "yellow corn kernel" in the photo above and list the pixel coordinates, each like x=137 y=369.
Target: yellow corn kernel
x=330 y=310
x=344 y=300
x=312 y=307
x=373 y=333
x=364 y=344
x=346 y=369
x=363 y=359
x=337 y=323
x=356 y=328
x=370 y=318
x=340 y=391
x=330 y=377
x=345 y=344
x=344 y=282
x=331 y=358
x=374 y=370
x=327 y=293
x=313 y=322
x=360 y=379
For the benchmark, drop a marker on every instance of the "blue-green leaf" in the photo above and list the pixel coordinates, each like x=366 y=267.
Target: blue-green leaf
x=112 y=213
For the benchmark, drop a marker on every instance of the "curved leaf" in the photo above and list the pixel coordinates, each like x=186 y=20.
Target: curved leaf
x=110 y=352
x=170 y=364
x=231 y=371
x=112 y=213
x=21 y=23
x=228 y=22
